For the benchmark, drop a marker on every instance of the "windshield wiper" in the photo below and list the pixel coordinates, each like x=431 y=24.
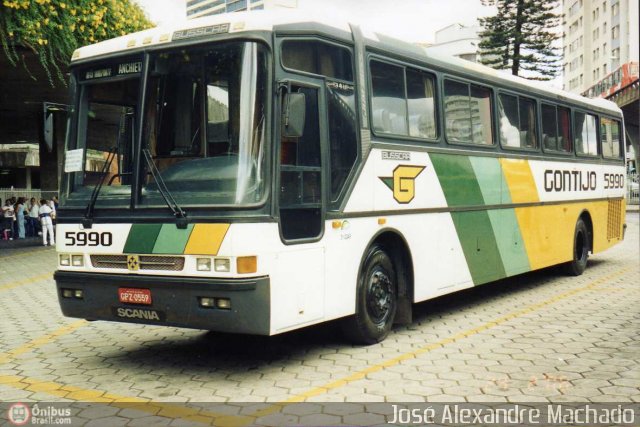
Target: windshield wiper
x=181 y=215
x=87 y=221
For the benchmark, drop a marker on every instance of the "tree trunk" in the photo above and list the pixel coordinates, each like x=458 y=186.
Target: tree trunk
x=517 y=41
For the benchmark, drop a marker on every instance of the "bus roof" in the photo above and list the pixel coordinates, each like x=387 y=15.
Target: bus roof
x=267 y=20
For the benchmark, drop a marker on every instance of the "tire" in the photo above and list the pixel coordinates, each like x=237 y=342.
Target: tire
x=376 y=299
x=580 y=250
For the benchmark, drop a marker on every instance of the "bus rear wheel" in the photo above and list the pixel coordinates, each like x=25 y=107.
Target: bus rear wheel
x=376 y=299
x=577 y=266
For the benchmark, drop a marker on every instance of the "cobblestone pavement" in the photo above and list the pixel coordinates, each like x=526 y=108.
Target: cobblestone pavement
x=540 y=337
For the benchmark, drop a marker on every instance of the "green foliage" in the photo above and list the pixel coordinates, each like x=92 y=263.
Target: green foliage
x=53 y=29
x=520 y=37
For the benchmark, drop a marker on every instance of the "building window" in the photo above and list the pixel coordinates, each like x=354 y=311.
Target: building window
x=615 y=32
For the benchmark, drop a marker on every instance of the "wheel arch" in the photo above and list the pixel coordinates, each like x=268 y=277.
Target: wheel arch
x=585 y=216
x=396 y=246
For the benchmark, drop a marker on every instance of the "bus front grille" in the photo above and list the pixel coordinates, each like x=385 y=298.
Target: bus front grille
x=147 y=262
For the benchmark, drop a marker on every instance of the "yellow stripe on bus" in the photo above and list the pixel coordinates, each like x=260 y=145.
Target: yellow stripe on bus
x=206 y=239
x=548 y=231
x=522 y=186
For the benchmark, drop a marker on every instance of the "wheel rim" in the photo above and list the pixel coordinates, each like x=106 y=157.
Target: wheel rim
x=379 y=296
x=580 y=246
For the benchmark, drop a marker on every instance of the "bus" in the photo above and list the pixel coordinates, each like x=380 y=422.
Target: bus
x=265 y=171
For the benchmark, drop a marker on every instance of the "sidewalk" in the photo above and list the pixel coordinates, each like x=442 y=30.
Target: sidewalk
x=20 y=243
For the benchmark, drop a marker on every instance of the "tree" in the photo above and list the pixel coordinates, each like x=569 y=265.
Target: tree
x=53 y=29
x=521 y=37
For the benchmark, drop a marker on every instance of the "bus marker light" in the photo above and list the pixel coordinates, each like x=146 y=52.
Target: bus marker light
x=382 y=221
x=222 y=265
x=203 y=264
x=65 y=259
x=77 y=260
x=247 y=264
x=67 y=293
x=223 y=303
x=78 y=293
x=336 y=225
x=206 y=302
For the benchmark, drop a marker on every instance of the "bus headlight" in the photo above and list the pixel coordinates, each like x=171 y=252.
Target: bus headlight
x=65 y=260
x=203 y=264
x=77 y=260
x=222 y=265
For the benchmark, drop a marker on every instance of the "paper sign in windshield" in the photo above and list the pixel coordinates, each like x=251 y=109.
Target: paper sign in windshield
x=73 y=160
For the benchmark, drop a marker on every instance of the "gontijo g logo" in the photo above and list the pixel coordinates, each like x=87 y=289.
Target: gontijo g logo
x=19 y=414
x=403 y=182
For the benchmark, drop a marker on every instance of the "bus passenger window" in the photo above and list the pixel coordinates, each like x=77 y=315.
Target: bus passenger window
x=389 y=108
x=420 y=99
x=556 y=128
x=468 y=113
x=316 y=57
x=549 y=127
x=610 y=135
x=564 y=130
x=586 y=134
x=517 y=121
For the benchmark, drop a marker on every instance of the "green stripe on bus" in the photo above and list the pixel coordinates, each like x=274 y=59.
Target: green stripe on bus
x=488 y=173
x=142 y=238
x=172 y=240
x=510 y=243
x=457 y=179
x=479 y=246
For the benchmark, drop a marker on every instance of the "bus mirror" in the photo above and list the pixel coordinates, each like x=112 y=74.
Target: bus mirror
x=293 y=115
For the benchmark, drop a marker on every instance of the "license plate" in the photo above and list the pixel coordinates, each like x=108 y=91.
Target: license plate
x=134 y=296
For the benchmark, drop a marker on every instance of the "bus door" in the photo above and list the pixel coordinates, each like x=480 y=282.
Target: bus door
x=301 y=202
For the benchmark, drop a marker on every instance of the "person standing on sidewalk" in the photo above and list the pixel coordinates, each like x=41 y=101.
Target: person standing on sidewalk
x=34 y=215
x=47 y=224
x=19 y=208
x=8 y=215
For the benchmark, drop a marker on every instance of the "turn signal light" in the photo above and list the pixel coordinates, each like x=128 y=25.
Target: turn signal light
x=247 y=264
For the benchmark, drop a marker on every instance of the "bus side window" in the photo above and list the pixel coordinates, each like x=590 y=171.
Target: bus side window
x=586 y=134
x=610 y=135
x=549 y=127
x=388 y=105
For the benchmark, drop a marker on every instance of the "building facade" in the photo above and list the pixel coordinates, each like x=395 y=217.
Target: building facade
x=200 y=8
x=457 y=40
x=599 y=37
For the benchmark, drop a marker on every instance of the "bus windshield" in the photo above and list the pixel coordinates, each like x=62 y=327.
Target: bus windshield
x=203 y=126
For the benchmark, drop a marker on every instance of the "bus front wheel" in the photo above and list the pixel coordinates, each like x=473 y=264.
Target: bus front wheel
x=376 y=299
x=577 y=266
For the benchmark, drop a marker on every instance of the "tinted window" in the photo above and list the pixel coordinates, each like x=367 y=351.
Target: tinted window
x=420 y=100
x=517 y=122
x=468 y=113
x=610 y=135
x=586 y=134
x=556 y=128
x=317 y=57
x=342 y=134
x=388 y=106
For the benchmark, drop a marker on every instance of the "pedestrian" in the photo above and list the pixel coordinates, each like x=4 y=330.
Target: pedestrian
x=8 y=215
x=54 y=199
x=33 y=217
x=19 y=210
x=47 y=224
x=54 y=208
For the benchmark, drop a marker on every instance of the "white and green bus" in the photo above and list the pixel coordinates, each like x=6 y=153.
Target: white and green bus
x=261 y=172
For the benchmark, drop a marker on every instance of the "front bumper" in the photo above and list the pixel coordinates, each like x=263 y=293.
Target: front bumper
x=174 y=301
